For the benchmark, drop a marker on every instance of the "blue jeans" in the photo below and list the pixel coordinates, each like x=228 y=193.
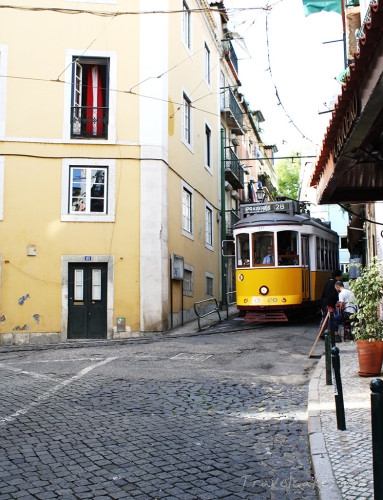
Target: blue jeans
x=338 y=321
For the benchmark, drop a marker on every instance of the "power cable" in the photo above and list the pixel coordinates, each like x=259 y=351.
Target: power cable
x=348 y=210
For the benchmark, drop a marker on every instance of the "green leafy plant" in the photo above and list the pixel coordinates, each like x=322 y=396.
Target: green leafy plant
x=368 y=291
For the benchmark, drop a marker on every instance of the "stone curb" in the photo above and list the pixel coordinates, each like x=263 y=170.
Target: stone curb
x=324 y=477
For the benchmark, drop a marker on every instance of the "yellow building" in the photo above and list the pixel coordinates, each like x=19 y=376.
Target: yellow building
x=113 y=126
x=105 y=116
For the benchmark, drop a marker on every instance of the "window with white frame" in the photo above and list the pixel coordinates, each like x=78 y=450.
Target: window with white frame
x=186 y=25
x=187 y=211
x=89 y=109
x=186 y=119
x=209 y=227
x=88 y=187
x=88 y=190
x=207 y=64
x=209 y=280
x=222 y=83
x=208 y=161
x=188 y=281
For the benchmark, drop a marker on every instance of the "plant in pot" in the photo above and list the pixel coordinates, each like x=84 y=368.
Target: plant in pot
x=366 y=323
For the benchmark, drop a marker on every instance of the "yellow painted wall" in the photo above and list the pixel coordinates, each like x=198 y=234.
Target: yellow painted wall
x=34 y=150
x=32 y=217
x=38 y=65
x=188 y=76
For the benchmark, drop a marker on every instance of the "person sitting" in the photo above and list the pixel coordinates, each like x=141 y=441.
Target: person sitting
x=347 y=307
x=269 y=258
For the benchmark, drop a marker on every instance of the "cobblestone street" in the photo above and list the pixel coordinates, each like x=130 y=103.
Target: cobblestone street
x=205 y=417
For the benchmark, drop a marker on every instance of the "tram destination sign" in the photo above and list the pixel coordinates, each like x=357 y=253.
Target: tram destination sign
x=261 y=208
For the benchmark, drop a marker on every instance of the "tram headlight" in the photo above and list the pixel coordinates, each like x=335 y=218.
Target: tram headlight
x=241 y=277
x=264 y=290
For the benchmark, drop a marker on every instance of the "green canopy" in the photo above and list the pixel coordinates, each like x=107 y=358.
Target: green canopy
x=314 y=6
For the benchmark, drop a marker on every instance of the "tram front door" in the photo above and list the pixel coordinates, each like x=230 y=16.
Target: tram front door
x=305 y=268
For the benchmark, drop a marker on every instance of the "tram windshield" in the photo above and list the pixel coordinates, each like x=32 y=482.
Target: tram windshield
x=266 y=248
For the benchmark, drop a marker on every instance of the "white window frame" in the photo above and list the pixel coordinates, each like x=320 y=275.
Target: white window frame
x=209 y=226
x=189 y=292
x=222 y=90
x=85 y=201
x=187 y=121
x=187 y=229
x=208 y=148
x=186 y=25
x=207 y=64
x=209 y=276
x=66 y=195
x=112 y=85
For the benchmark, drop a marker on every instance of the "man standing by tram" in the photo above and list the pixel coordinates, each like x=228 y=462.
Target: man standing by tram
x=330 y=295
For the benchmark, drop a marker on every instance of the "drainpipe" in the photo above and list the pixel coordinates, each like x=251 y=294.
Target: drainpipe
x=223 y=220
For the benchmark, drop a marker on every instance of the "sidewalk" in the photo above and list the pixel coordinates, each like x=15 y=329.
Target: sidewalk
x=342 y=460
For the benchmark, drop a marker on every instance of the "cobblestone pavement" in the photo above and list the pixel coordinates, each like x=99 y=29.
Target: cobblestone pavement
x=349 y=451
x=176 y=419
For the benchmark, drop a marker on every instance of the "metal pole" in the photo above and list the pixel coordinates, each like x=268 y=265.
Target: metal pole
x=223 y=218
x=339 y=404
x=332 y=329
x=376 y=387
x=328 y=357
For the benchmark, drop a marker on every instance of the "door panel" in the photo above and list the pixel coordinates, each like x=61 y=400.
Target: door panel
x=305 y=268
x=87 y=301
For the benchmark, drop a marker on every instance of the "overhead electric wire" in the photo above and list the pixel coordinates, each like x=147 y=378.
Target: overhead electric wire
x=102 y=13
x=348 y=210
x=280 y=103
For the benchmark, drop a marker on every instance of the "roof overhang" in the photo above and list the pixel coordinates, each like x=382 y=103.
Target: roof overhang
x=349 y=168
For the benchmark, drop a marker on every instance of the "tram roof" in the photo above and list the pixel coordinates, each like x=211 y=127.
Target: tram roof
x=276 y=218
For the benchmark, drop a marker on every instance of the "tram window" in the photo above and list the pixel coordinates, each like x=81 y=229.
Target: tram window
x=243 y=250
x=287 y=248
x=263 y=248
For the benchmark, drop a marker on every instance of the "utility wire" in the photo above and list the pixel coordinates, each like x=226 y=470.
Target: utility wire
x=127 y=13
x=348 y=210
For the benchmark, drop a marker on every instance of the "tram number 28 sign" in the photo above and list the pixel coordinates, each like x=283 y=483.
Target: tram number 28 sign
x=258 y=208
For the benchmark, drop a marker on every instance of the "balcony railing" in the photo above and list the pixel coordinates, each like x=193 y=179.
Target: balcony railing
x=88 y=122
x=231 y=217
x=231 y=109
x=233 y=170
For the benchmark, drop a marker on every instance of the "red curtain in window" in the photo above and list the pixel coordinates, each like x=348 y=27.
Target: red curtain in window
x=94 y=103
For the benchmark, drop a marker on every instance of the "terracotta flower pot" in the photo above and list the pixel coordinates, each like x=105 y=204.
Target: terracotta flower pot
x=370 y=356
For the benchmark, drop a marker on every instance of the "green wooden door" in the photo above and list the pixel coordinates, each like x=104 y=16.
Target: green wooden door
x=87 y=301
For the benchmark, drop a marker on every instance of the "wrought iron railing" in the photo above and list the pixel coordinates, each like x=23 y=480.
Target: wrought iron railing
x=233 y=170
x=229 y=102
x=233 y=58
x=231 y=218
x=89 y=122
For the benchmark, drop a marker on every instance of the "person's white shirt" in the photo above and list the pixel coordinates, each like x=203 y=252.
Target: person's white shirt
x=348 y=299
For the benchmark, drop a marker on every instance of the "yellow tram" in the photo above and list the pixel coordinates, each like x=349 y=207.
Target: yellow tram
x=283 y=259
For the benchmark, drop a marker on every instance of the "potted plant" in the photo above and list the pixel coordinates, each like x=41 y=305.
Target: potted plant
x=366 y=323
